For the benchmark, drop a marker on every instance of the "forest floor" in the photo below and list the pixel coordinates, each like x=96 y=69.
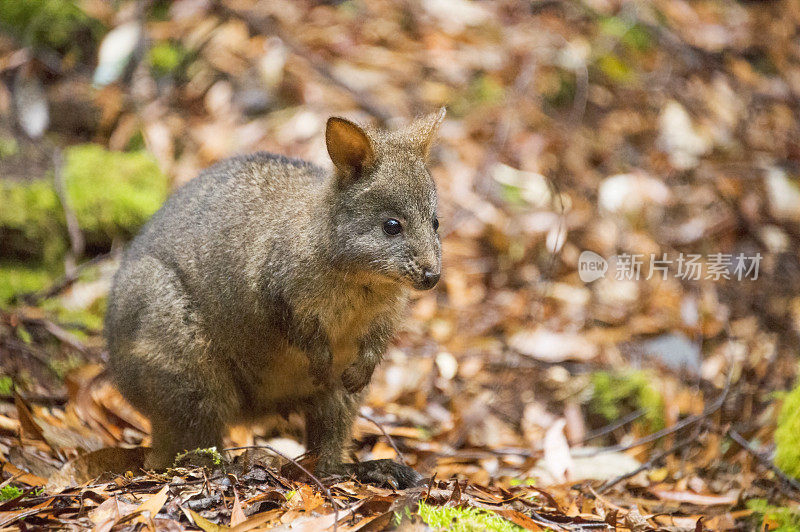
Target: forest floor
x=655 y=143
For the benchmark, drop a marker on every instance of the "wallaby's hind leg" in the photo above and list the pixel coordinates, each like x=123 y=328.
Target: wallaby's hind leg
x=162 y=362
x=329 y=421
x=179 y=435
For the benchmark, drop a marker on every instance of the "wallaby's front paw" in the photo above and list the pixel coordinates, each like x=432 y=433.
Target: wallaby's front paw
x=386 y=473
x=356 y=377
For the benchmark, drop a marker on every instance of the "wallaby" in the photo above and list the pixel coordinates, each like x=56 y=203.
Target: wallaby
x=268 y=284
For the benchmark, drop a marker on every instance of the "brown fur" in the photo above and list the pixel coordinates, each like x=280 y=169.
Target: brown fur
x=267 y=283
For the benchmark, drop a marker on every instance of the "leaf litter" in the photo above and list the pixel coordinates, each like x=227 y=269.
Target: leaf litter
x=651 y=128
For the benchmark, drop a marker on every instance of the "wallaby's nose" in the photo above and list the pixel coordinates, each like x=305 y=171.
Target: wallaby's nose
x=431 y=279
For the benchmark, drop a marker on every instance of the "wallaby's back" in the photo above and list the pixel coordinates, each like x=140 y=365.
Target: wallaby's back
x=190 y=282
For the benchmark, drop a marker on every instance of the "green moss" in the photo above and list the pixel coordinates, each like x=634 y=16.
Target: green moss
x=23 y=334
x=787 y=435
x=86 y=318
x=199 y=457
x=458 y=519
x=775 y=518
x=17 y=279
x=52 y=23
x=62 y=366
x=617 y=394
x=635 y=37
x=482 y=91
x=9 y=492
x=8 y=147
x=165 y=58
x=31 y=221
x=6 y=385
x=112 y=193
x=615 y=68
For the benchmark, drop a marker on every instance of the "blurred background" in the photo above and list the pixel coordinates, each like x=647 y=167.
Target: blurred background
x=662 y=129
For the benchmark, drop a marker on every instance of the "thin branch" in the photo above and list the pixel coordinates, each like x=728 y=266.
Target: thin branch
x=65 y=282
x=645 y=466
x=766 y=462
x=50 y=400
x=317 y=481
x=265 y=26
x=386 y=434
x=77 y=242
x=621 y=422
x=687 y=422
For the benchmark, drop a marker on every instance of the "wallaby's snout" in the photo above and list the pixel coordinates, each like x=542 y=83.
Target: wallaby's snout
x=428 y=270
x=430 y=278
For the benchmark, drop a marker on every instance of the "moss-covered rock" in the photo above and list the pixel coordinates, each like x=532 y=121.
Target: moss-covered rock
x=787 y=435
x=51 y=23
x=209 y=458
x=16 y=278
x=617 y=394
x=112 y=194
x=31 y=221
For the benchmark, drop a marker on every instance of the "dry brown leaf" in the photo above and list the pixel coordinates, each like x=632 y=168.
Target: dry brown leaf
x=698 y=499
x=149 y=509
x=204 y=523
x=237 y=514
x=115 y=460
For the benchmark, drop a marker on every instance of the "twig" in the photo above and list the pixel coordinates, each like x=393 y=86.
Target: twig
x=645 y=466
x=264 y=26
x=60 y=334
x=65 y=282
x=50 y=400
x=386 y=434
x=317 y=481
x=763 y=460
x=691 y=420
x=502 y=129
x=602 y=431
x=77 y=242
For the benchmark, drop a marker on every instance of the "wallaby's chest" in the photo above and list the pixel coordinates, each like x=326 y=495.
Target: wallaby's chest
x=350 y=314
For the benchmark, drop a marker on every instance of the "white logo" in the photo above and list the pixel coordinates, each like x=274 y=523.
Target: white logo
x=591 y=266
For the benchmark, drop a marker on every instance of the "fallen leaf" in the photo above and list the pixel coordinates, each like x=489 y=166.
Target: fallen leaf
x=550 y=346
x=150 y=508
x=237 y=514
x=115 y=460
x=33 y=112
x=28 y=427
x=557 y=459
x=520 y=519
x=204 y=523
x=694 y=498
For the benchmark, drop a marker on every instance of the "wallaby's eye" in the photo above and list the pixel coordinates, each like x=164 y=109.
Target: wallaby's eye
x=436 y=224
x=392 y=227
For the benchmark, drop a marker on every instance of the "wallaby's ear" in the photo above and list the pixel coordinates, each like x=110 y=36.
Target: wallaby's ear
x=349 y=146
x=422 y=131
